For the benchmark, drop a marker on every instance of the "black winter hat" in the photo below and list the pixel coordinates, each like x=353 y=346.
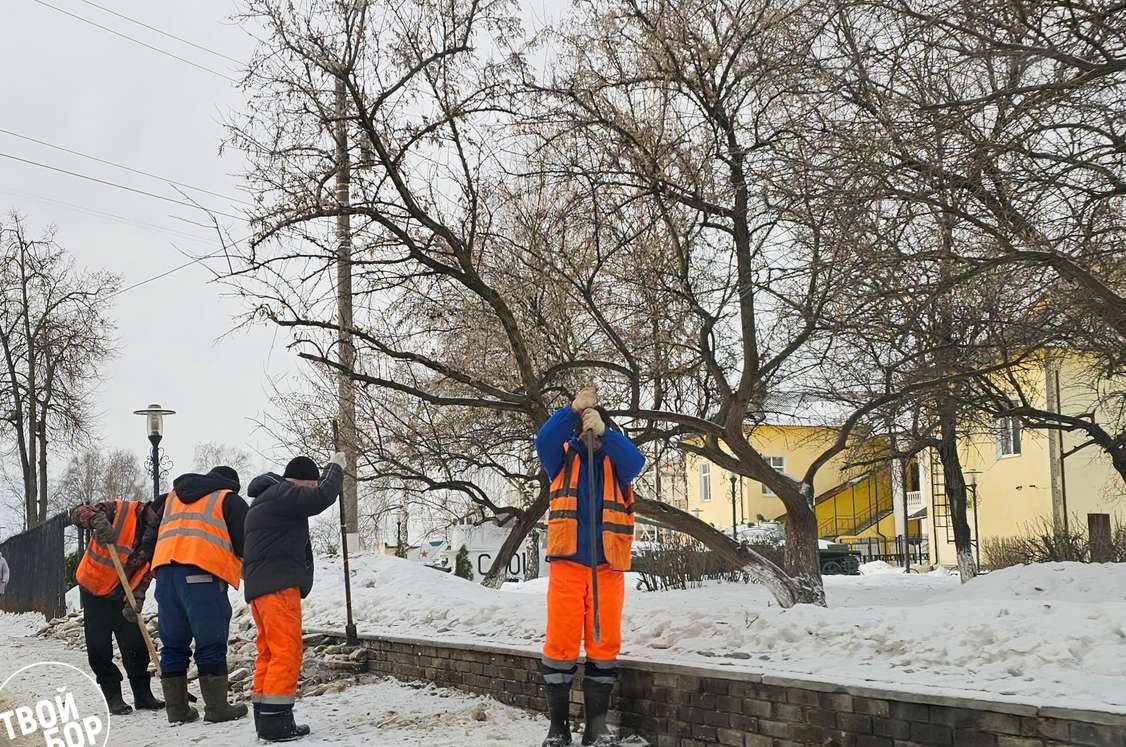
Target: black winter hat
x=302 y=468
x=227 y=473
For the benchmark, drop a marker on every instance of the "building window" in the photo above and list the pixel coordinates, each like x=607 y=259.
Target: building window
x=705 y=482
x=1007 y=436
x=779 y=465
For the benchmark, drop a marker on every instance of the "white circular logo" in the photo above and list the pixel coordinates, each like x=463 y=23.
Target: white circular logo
x=53 y=704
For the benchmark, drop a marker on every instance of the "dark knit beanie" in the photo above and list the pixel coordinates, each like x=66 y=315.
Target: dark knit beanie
x=302 y=468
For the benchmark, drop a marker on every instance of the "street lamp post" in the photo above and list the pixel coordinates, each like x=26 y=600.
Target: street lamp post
x=154 y=422
x=973 y=473
x=734 y=517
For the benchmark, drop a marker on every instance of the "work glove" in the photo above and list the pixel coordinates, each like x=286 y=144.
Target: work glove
x=103 y=532
x=128 y=612
x=339 y=460
x=592 y=421
x=587 y=399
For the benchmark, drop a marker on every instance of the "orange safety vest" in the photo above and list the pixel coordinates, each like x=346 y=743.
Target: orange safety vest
x=96 y=572
x=196 y=534
x=563 y=517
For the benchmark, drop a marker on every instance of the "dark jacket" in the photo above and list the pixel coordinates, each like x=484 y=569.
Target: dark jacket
x=628 y=461
x=278 y=552
x=192 y=487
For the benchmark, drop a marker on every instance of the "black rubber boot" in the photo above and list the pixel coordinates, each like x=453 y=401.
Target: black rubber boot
x=143 y=699
x=216 y=709
x=117 y=706
x=596 y=704
x=279 y=726
x=558 y=709
x=176 y=700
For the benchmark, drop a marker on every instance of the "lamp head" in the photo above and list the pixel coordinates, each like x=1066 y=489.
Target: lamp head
x=154 y=420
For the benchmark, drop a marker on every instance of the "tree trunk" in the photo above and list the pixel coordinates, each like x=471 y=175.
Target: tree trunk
x=803 y=562
x=494 y=579
x=786 y=590
x=532 y=570
x=955 y=490
x=41 y=440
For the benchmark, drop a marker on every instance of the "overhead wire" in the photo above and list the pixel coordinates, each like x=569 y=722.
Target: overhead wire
x=162 y=32
x=108 y=183
x=146 y=45
x=121 y=166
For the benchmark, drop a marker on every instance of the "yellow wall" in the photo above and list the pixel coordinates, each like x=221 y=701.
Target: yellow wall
x=799 y=445
x=1091 y=483
x=1015 y=493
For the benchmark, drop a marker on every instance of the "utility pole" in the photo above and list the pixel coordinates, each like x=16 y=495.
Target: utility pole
x=346 y=389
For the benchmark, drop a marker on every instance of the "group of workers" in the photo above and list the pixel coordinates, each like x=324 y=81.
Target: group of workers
x=202 y=538
x=199 y=540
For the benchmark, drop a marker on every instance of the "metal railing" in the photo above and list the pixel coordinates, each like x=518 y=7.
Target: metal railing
x=892 y=550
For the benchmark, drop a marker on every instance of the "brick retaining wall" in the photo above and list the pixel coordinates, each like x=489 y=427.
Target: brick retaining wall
x=681 y=706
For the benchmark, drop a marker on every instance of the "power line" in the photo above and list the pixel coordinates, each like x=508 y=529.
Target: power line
x=166 y=273
x=158 y=50
x=161 y=32
x=149 y=174
x=121 y=186
x=86 y=210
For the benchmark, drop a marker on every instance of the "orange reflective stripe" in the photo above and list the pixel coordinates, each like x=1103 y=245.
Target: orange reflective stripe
x=96 y=572
x=563 y=517
x=617 y=521
x=196 y=534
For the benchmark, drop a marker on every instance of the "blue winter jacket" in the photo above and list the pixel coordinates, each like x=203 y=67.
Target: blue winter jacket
x=563 y=428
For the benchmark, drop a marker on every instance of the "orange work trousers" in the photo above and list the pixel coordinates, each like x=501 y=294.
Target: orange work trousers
x=278 y=667
x=570 y=615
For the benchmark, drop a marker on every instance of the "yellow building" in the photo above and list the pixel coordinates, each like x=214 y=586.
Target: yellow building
x=1024 y=477
x=850 y=501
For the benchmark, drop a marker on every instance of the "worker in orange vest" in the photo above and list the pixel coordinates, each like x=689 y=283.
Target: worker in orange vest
x=198 y=556
x=130 y=528
x=562 y=447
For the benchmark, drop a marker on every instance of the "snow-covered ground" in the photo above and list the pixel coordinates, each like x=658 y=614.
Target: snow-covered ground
x=387 y=714
x=1046 y=634
x=1052 y=633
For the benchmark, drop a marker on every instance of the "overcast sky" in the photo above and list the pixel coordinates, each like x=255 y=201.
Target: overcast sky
x=73 y=85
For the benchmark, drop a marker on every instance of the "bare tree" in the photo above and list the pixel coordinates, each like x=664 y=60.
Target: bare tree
x=54 y=334
x=93 y=475
x=1008 y=122
x=210 y=454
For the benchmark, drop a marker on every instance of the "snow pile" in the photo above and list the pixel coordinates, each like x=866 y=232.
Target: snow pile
x=23 y=623
x=1051 y=633
x=877 y=567
x=1052 y=582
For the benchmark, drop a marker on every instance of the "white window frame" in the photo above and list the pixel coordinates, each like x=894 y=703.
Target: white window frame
x=705 y=482
x=1007 y=437
x=779 y=465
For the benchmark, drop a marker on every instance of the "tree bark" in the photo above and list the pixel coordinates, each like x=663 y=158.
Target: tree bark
x=955 y=489
x=41 y=440
x=532 y=570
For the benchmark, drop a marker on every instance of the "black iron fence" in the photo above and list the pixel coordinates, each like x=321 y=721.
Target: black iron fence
x=37 y=569
x=892 y=550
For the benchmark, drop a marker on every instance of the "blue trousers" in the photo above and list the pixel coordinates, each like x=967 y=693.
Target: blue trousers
x=192 y=604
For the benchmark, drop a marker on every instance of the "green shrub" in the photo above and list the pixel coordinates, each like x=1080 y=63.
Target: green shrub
x=72 y=561
x=462 y=566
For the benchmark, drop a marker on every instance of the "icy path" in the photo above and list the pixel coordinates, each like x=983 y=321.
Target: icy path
x=388 y=714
